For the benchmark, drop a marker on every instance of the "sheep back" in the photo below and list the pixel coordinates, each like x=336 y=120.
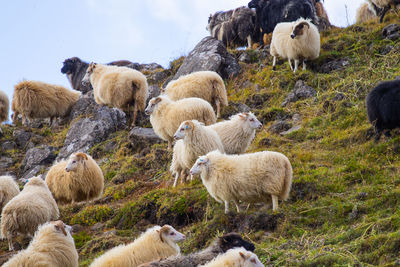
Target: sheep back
x=4 y=106
x=8 y=189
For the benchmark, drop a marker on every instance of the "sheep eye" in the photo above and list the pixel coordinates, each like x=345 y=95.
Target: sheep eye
x=253 y=260
x=251 y=119
x=172 y=234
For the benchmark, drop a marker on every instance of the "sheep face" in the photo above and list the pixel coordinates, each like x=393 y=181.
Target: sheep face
x=75 y=161
x=251 y=120
x=200 y=164
x=255 y=4
x=89 y=71
x=152 y=105
x=183 y=129
x=233 y=240
x=69 y=65
x=299 y=29
x=250 y=259
x=170 y=235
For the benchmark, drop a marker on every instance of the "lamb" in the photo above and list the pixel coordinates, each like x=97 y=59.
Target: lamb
x=8 y=189
x=237 y=133
x=385 y=5
x=157 y=242
x=366 y=12
x=34 y=99
x=219 y=246
x=25 y=212
x=166 y=115
x=296 y=41
x=197 y=140
x=207 y=85
x=383 y=108
x=251 y=178
x=4 y=106
x=52 y=245
x=75 y=180
x=238 y=257
x=118 y=87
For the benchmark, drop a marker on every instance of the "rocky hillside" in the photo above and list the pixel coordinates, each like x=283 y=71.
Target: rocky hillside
x=343 y=208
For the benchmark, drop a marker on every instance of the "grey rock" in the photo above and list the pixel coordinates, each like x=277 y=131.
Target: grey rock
x=296 y=118
x=291 y=130
x=143 y=137
x=97 y=227
x=43 y=155
x=245 y=58
x=336 y=64
x=279 y=126
x=391 y=31
x=6 y=162
x=8 y=145
x=149 y=67
x=22 y=137
x=301 y=91
x=33 y=172
x=154 y=91
x=158 y=76
x=84 y=106
x=386 y=49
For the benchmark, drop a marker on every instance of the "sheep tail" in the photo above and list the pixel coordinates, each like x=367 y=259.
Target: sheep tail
x=287 y=181
x=219 y=87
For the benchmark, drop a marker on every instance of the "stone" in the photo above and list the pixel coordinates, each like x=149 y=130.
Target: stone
x=8 y=145
x=143 y=137
x=33 y=172
x=6 y=162
x=22 y=137
x=43 y=155
x=391 y=32
x=336 y=64
x=291 y=130
x=279 y=126
x=300 y=91
x=245 y=58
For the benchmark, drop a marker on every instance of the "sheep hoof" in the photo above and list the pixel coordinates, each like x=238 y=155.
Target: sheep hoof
x=273 y=68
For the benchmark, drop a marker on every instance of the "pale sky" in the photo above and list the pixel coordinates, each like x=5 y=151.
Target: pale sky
x=38 y=35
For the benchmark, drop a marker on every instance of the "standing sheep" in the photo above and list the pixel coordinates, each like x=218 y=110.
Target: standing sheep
x=4 y=106
x=78 y=179
x=8 y=189
x=238 y=257
x=35 y=99
x=119 y=87
x=207 y=85
x=157 y=242
x=296 y=41
x=166 y=115
x=252 y=178
x=52 y=245
x=24 y=213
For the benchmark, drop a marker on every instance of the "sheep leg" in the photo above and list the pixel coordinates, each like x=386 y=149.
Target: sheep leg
x=217 y=104
x=226 y=206
x=296 y=65
x=274 y=63
x=249 y=42
x=10 y=243
x=304 y=65
x=290 y=64
x=385 y=9
x=274 y=202
x=176 y=178
x=135 y=111
x=169 y=144
x=237 y=206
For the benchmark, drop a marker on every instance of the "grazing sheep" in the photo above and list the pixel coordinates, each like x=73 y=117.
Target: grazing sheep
x=220 y=245
x=8 y=189
x=35 y=99
x=385 y=5
x=366 y=12
x=296 y=41
x=25 y=212
x=75 y=180
x=52 y=245
x=119 y=87
x=237 y=133
x=238 y=257
x=207 y=85
x=252 y=178
x=157 y=242
x=383 y=107
x=4 y=106
x=166 y=115
x=197 y=140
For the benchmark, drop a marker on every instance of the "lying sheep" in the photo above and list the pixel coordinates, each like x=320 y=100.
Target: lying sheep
x=157 y=242
x=296 y=41
x=25 y=212
x=207 y=85
x=119 y=87
x=385 y=5
x=35 y=99
x=166 y=115
x=237 y=133
x=8 y=189
x=52 y=245
x=252 y=178
x=75 y=180
x=221 y=245
x=238 y=257
x=366 y=12
x=197 y=140
x=4 y=106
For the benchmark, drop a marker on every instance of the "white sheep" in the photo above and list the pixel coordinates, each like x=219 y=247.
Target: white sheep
x=238 y=257
x=298 y=40
x=207 y=85
x=8 y=189
x=4 y=106
x=52 y=245
x=237 y=133
x=75 y=180
x=197 y=140
x=119 y=87
x=25 y=212
x=166 y=115
x=157 y=242
x=366 y=12
x=254 y=177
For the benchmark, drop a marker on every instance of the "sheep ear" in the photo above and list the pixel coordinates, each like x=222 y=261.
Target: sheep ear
x=242 y=255
x=243 y=117
x=160 y=233
x=81 y=156
x=157 y=100
x=59 y=226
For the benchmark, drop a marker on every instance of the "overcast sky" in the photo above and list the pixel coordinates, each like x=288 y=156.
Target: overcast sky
x=38 y=35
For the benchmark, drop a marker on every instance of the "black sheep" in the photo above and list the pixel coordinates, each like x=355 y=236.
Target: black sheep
x=383 y=107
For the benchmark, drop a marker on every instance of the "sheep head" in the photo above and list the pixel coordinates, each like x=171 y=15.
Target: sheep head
x=200 y=164
x=69 y=65
x=233 y=240
x=250 y=119
x=250 y=259
x=169 y=235
x=38 y=181
x=59 y=226
x=300 y=28
x=89 y=71
x=76 y=160
x=152 y=105
x=184 y=128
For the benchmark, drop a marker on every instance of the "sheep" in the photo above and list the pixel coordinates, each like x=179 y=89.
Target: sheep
x=197 y=140
x=383 y=107
x=4 y=106
x=296 y=41
x=238 y=257
x=8 y=189
x=118 y=87
x=237 y=133
x=250 y=177
x=207 y=85
x=157 y=242
x=323 y=19
x=219 y=246
x=34 y=99
x=366 y=12
x=385 y=5
x=25 y=212
x=75 y=180
x=166 y=115
x=52 y=245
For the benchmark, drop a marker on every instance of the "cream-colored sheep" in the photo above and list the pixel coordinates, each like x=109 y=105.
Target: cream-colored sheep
x=25 y=212
x=119 y=87
x=4 y=106
x=365 y=13
x=166 y=115
x=33 y=99
x=255 y=177
x=8 y=189
x=207 y=85
x=237 y=133
x=157 y=242
x=197 y=140
x=52 y=245
x=238 y=257
x=75 y=180
x=298 y=40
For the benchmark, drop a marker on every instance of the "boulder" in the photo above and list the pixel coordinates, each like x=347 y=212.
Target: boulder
x=336 y=64
x=300 y=91
x=279 y=127
x=391 y=32
x=43 y=155
x=143 y=137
